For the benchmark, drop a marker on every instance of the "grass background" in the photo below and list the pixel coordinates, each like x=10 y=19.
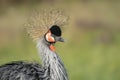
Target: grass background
x=92 y=50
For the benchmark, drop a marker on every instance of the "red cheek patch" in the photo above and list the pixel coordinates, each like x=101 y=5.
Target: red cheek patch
x=51 y=39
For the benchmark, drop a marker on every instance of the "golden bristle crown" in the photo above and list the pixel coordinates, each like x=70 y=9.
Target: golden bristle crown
x=41 y=21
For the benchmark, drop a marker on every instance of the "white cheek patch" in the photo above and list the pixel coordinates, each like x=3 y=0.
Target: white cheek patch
x=47 y=35
x=52 y=39
x=49 y=38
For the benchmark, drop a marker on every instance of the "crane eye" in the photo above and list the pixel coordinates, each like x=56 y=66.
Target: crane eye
x=49 y=38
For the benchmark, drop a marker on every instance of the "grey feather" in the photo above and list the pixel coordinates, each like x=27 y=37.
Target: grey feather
x=23 y=71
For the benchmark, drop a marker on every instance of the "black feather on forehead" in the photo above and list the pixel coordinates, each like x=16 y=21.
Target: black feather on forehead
x=55 y=30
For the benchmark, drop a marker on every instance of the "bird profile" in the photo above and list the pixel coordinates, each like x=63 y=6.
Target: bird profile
x=44 y=27
x=42 y=20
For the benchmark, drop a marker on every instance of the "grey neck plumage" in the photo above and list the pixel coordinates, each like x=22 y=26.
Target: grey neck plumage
x=52 y=61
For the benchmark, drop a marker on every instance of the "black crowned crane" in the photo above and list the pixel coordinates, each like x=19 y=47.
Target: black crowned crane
x=45 y=28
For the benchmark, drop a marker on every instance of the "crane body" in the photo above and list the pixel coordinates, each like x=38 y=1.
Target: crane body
x=52 y=67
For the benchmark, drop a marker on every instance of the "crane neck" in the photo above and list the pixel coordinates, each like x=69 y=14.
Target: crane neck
x=52 y=61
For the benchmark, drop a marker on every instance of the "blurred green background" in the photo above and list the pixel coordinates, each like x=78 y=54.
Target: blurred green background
x=92 y=50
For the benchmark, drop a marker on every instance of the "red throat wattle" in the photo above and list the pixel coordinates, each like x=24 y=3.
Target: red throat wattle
x=52 y=48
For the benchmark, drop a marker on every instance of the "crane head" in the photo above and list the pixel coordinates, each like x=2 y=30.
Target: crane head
x=53 y=35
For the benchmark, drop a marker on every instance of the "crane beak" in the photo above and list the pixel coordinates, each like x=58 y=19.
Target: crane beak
x=60 y=39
